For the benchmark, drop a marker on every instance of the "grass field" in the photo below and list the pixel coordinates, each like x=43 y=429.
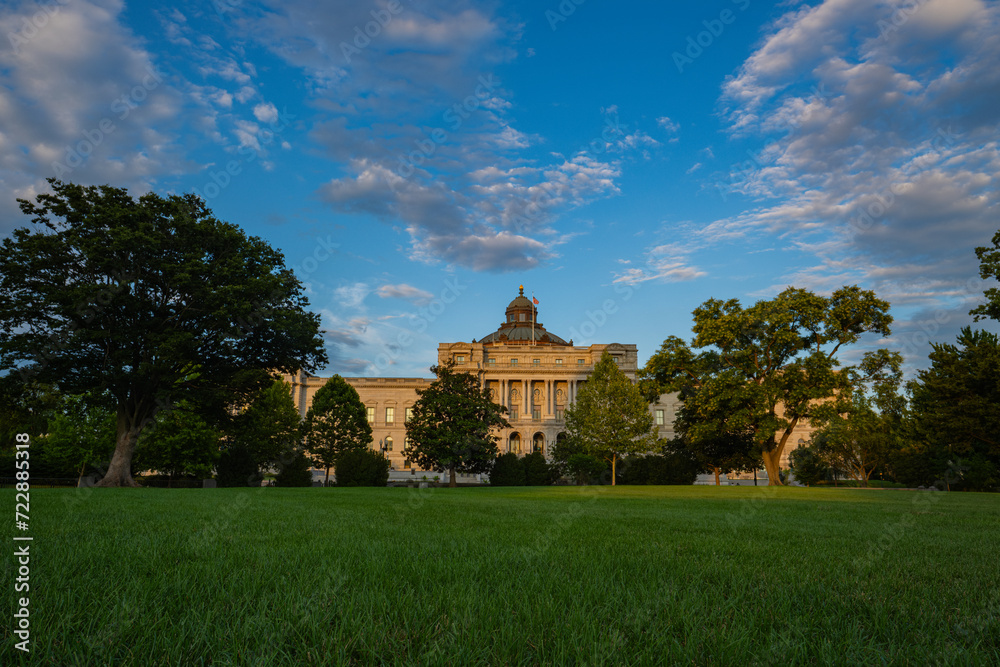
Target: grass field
x=520 y=576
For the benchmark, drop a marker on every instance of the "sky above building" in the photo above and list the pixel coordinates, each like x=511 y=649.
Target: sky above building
x=417 y=161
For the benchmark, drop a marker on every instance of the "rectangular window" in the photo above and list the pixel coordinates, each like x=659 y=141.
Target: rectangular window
x=390 y=415
x=371 y=415
x=618 y=360
x=580 y=362
x=536 y=362
x=559 y=413
x=459 y=358
x=536 y=414
x=558 y=362
x=513 y=414
x=659 y=417
x=409 y=414
x=513 y=362
x=493 y=361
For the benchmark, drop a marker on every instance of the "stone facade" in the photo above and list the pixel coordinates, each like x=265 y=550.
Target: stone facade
x=532 y=372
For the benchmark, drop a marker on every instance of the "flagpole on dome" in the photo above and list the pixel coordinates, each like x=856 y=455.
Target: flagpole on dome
x=534 y=303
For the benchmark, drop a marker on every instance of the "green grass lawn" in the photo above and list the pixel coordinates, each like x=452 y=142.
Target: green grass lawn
x=563 y=575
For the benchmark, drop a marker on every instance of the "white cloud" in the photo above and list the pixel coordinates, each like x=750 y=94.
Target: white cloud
x=403 y=291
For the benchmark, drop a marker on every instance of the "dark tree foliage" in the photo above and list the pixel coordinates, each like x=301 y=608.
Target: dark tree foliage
x=507 y=471
x=454 y=425
x=336 y=423
x=296 y=472
x=179 y=443
x=673 y=468
x=586 y=469
x=956 y=406
x=538 y=472
x=362 y=467
x=809 y=465
x=237 y=468
x=269 y=429
x=153 y=300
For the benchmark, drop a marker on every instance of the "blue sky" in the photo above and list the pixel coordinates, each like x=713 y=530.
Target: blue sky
x=417 y=161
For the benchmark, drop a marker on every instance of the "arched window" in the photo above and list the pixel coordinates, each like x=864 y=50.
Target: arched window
x=388 y=443
x=514 y=444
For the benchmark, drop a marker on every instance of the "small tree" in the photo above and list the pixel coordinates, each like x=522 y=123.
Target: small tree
x=80 y=433
x=337 y=422
x=584 y=467
x=507 y=471
x=362 y=467
x=809 y=465
x=179 y=443
x=268 y=430
x=454 y=425
x=610 y=418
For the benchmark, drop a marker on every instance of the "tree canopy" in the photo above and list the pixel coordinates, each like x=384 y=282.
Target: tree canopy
x=766 y=368
x=336 y=422
x=454 y=424
x=153 y=300
x=611 y=417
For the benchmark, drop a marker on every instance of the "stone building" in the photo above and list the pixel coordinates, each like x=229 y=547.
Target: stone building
x=530 y=370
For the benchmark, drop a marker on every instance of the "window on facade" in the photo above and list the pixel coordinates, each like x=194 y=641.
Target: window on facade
x=536 y=362
x=618 y=360
x=580 y=362
x=559 y=414
x=659 y=417
x=492 y=361
x=513 y=362
x=388 y=443
x=523 y=317
x=371 y=415
x=459 y=358
x=558 y=362
x=513 y=413
x=536 y=414
x=390 y=415
x=408 y=414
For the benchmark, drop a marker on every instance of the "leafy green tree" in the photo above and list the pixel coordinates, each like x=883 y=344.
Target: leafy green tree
x=507 y=470
x=269 y=429
x=773 y=364
x=362 y=467
x=809 y=464
x=80 y=433
x=179 y=443
x=454 y=425
x=237 y=467
x=153 y=300
x=863 y=431
x=989 y=267
x=337 y=422
x=610 y=418
x=956 y=404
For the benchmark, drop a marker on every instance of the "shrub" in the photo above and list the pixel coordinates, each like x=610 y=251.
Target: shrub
x=585 y=468
x=236 y=467
x=670 y=468
x=508 y=470
x=362 y=467
x=295 y=473
x=537 y=471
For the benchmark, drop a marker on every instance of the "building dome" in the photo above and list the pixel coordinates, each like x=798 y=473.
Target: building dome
x=517 y=328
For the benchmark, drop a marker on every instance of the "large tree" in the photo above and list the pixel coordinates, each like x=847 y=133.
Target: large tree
x=611 y=417
x=269 y=429
x=336 y=422
x=454 y=425
x=775 y=363
x=153 y=300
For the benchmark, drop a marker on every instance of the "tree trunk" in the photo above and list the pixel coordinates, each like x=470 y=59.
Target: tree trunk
x=451 y=478
x=717 y=483
x=82 y=468
x=772 y=461
x=326 y=482
x=613 y=460
x=120 y=471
